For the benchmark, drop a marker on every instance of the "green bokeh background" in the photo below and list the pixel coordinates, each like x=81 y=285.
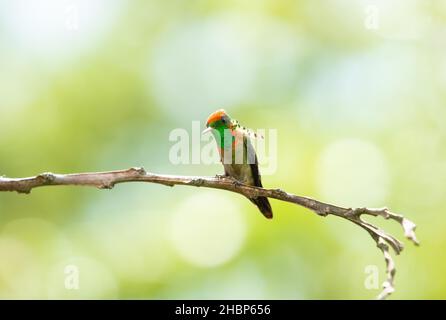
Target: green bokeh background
x=355 y=90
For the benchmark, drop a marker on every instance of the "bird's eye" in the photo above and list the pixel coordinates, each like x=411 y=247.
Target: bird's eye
x=223 y=120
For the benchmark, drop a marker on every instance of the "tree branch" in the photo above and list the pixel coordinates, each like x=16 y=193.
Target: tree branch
x=106 y=180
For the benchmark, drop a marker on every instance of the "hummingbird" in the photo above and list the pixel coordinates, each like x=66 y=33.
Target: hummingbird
x=237 y=154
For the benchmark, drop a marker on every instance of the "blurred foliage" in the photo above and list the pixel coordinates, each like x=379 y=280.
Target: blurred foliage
x=355 y=89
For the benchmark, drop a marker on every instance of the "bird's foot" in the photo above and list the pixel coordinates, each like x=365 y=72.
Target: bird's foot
x=236 y=183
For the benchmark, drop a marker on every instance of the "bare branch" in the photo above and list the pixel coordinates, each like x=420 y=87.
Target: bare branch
x=107 y=180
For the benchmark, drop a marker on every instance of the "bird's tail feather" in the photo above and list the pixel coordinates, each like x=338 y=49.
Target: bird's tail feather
x=264 y=206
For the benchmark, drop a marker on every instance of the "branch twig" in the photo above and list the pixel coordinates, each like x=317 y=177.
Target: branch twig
x=106 y=180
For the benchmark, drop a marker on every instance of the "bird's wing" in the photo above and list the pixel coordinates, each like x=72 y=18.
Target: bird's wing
x=261 y=202
x=252 y=161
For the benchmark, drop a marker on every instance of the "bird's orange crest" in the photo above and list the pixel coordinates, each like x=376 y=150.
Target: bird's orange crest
x=216 y=116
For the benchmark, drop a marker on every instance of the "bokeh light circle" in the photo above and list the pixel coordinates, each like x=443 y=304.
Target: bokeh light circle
x=207 y=230
x=353 y=172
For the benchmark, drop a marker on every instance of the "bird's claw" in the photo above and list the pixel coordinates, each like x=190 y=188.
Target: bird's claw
x=236 y=183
